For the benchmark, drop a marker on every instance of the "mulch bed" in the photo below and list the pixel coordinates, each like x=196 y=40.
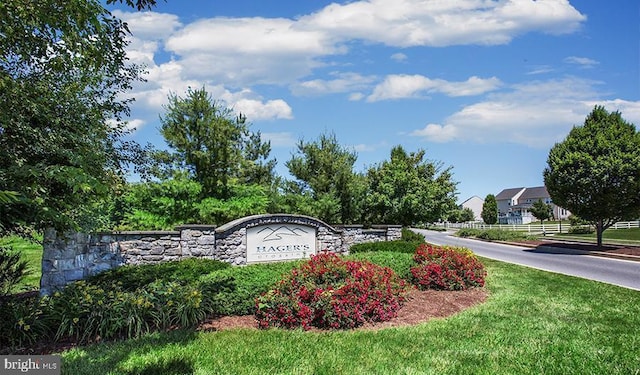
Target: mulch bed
x=420 y=307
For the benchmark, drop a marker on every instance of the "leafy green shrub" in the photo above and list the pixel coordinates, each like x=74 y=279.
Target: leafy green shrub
x=134 y=276
x=468 y=232
x=242 y=285
x=86 y=311
x=493 y=234
x=393 y=246
x=411 y=236
x=331 y=292
x=12 y=270
x=399 y=262
x=23 y=321
x=583 y=229
x=446 y=268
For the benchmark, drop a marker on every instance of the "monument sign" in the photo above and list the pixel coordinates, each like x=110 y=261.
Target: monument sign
x=280 y=241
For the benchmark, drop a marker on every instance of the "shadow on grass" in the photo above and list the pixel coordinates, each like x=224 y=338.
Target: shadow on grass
x=110 y=357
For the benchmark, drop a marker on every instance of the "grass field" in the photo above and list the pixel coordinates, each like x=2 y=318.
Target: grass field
x=32 y=253
x=534 y=322
x=628 y=235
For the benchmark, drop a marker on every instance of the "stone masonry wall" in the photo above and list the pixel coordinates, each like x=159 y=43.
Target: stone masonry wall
x=75 y=256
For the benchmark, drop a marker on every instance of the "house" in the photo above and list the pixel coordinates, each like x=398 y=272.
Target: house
x=475 y=204
x=514 y=205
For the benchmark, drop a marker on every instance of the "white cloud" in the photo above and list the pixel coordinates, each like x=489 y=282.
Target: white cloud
x=534 y=114
x=356 y=96
x=437 y=133
x=242 y=50
x=584 y=62
x=399 y=57
x=149 y=25
x=399 y=86
x=364 y=148
x=284 y=139
x=232 y=55
x=540 y=69
x=343 y=82
x=261 y=110
x=405 y=23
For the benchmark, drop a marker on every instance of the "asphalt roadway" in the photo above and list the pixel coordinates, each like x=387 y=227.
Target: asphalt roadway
x=624 y=273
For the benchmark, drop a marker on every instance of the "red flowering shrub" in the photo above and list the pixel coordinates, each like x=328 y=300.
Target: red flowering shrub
x=330 y=292
x=446 y=268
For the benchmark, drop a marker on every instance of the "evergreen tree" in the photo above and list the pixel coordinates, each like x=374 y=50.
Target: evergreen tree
x=490 y=210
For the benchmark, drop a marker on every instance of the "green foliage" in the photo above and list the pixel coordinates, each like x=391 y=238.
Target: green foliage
x=490 y=210
x=533 y=322
x=326 y=184
x=583 y=229
x=13 y=270
x=86 y=311
x=408 y=190
x=461 y=215
x=493 y=234
x=172 y=202
x=138 y=4
x=31 y=252
x=411 y=236
x=541 y=210
x=577 y=220
x=244 y=284
x=399 y=260
x=243 y=201
x=24 y=320
x=386 y=246
x=185 y=271
x=63 y=70
x=595 y=171
x=212 y=144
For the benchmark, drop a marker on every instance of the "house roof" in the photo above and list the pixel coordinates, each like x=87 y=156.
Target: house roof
x=539 y=192
x=475 y=197
x=508 y=193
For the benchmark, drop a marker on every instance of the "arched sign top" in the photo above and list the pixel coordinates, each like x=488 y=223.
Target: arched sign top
x=257 y=220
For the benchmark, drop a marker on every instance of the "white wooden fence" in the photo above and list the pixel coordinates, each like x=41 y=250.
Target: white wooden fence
x=535 y=228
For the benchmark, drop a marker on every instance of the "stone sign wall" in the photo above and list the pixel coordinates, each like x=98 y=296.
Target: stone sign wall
x=259 y=238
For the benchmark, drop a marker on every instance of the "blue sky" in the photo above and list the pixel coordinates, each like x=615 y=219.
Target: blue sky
x=484 y=86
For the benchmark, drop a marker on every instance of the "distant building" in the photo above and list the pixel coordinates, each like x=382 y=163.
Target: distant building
x=514 y=205
x=475 y=204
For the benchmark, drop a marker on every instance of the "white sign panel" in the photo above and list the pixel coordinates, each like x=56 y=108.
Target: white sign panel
x=278 y=241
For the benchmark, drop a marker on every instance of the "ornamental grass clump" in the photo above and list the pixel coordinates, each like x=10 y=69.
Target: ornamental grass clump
x=331 y=292
x=446 y=268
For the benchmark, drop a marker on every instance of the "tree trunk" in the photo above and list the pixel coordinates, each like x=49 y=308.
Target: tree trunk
x=599 y=230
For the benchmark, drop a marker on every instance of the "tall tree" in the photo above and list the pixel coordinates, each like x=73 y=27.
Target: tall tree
x=407 y=189
x=324 y=173
x=490 y=210
x=63 y=70
x=212 y=144
x=595 y=171
x=541 y=210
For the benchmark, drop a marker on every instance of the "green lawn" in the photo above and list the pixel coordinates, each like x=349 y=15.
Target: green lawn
x=32 y=253
x=534 y=322
x=612 y=235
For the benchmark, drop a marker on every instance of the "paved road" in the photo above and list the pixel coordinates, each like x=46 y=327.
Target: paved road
x=565 y=261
